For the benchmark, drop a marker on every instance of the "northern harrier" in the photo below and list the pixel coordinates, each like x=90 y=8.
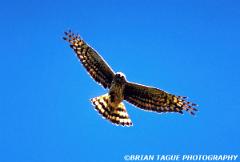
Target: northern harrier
x=110 y=105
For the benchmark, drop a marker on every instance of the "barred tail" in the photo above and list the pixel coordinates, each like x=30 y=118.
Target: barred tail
x=116 y=114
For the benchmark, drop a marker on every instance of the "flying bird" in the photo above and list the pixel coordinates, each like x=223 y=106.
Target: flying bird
x=110 y=105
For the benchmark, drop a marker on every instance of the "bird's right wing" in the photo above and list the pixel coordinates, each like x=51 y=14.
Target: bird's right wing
x=91 y=60
x=154 y=99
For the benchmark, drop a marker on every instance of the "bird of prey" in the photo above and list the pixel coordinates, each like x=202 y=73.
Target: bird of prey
x=110 y=105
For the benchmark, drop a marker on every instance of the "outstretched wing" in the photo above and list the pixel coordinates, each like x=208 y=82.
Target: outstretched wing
x=153 y=99
x=91 y=60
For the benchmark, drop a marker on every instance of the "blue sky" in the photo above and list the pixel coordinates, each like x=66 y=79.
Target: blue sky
x=188 y=48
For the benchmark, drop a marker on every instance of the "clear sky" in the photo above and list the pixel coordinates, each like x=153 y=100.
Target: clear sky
x=188 y=48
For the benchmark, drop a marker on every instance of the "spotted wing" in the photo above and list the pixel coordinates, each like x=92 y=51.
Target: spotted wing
x=91 y=60
x=153 y=99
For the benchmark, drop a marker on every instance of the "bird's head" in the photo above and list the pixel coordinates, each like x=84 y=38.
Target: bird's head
x=120 y=77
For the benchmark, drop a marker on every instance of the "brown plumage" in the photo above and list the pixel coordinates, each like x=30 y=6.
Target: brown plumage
x=117 y=114
x=110 y=105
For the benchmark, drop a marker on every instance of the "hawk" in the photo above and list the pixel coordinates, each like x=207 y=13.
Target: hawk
x=110 y=105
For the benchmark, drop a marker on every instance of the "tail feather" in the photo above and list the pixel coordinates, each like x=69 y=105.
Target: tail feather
x=116 y=114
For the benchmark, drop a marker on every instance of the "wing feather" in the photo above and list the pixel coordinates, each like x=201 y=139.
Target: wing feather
x=154 y=99
x=96 y=66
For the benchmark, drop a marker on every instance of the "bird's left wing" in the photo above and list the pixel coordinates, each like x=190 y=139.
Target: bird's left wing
x=153 y=99
x=91 y=60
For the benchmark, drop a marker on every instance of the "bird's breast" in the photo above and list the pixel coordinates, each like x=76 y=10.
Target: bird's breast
x=116 y=93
